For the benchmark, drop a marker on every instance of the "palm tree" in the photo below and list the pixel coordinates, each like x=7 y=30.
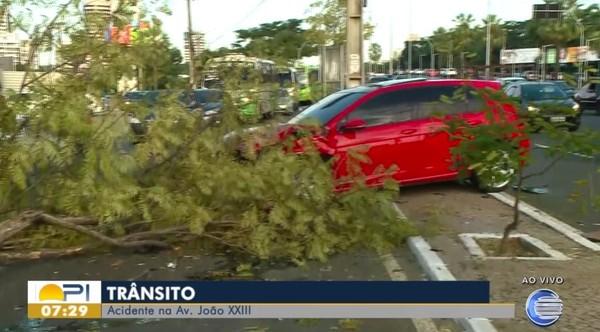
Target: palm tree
x=558 y=33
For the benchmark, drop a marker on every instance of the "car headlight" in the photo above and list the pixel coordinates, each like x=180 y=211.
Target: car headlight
x=576 y=107
x=533 y=109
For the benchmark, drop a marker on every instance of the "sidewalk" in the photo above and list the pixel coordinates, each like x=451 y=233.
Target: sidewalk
x=453 y=210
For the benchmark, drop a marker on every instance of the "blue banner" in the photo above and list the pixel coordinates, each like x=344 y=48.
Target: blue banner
x=296 y=292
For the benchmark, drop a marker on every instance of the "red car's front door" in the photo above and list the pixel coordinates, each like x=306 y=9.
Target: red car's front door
x=404 y=134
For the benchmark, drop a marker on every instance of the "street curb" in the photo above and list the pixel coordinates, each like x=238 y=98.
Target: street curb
x=548 y=220
x=396 y=273
x=436 y=270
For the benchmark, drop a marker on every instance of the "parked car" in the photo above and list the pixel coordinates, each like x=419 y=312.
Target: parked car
x=530 y=75
x=378 y=78
x=568 y=89
x=285 y=102
x=432 y=72
x=399 y=122
x=507 y=80
x=546 y=100
x=588 y=96
x=205 y=102
x=448 y=72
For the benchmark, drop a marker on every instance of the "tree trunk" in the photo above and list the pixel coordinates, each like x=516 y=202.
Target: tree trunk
x=516 y=214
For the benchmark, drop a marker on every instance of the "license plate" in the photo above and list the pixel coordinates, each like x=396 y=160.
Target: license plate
x=558 y=119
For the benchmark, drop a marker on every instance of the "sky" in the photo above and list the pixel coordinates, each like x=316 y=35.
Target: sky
x=394 y=19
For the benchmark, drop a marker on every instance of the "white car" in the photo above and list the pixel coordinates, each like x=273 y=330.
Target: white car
x=448 y=72
x=507 y=80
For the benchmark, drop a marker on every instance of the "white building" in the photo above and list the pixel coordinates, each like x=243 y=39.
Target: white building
x=197 y=42
x=4 y=25
x=99 y=7
x=13 y=47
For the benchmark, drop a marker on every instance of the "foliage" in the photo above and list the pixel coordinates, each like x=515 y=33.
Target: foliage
x=64 y=159
x=500 y=143
x=466 y=36
x=328 y=23
x=281 y=41
x=375 y=52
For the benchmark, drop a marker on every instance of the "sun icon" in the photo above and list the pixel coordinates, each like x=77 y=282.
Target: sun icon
x=51 y=292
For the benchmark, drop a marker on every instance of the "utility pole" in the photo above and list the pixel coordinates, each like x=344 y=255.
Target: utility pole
x=354 y=44
x=391 y=48
x=192 y=65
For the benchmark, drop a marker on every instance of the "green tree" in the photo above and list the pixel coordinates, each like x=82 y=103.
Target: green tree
x=279 y=40
x=328 y=23
x=375 y=52
x=497 y=152
x=164 y=60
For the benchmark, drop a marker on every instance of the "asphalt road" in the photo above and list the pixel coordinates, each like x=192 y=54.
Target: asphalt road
x=568 y=192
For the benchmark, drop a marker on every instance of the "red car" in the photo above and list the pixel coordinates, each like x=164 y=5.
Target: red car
x=399 y=122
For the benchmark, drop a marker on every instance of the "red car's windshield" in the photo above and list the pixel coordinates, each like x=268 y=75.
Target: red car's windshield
x=323 y=111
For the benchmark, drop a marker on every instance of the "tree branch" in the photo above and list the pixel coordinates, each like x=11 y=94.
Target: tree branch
x=545 y=169
x=9 y=257
x=50 y=220
x=37 y=42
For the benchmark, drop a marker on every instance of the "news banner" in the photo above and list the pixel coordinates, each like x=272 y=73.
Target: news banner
x=263 y=299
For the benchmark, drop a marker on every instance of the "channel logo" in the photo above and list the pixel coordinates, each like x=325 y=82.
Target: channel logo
x=544 y=307
x=64 y=291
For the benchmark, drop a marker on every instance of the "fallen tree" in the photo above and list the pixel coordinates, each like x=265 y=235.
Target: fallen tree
x=61 y=154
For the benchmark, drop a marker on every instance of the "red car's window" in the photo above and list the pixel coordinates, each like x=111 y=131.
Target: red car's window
x=328 y=107
x=416 y=103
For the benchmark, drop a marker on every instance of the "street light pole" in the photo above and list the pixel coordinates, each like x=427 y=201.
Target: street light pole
x=462 y=63
x=581 y=43
x=488 y=43
x=409 y=58
x=192 y=67
x=432 y=55
x=543 y=60
x=421 y=61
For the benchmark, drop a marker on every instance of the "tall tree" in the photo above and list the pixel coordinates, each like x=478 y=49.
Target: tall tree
x=282 y=41
x=375 y=52
x=328 y=23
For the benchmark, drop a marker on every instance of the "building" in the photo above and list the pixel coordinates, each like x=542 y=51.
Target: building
x=16 y=49
x=4 y=23
x=102 y=8
x=197 y=42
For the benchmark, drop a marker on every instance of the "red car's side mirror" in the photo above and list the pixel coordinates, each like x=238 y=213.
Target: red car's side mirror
x=354 y=124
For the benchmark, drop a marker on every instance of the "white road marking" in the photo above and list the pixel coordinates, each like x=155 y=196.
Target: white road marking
x=581 y=155
x=548 y=220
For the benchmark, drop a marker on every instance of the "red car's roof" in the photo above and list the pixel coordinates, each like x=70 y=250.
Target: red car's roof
x=392 y=85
